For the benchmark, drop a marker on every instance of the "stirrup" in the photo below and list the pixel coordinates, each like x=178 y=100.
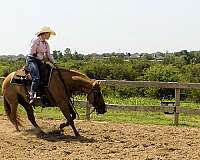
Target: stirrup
x=33 y=97
x=31 y=101
x=25 y=68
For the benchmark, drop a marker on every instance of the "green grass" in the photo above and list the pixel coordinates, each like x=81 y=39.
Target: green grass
x=121 y=116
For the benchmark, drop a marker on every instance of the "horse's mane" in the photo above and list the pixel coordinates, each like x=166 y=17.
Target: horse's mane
x=75 y=73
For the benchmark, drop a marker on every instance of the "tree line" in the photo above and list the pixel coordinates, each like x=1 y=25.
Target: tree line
x=180 y=66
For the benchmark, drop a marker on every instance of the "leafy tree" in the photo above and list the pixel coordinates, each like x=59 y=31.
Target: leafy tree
x=60 y=55
x=67 y=53
x=163 y=74
x=55 y=55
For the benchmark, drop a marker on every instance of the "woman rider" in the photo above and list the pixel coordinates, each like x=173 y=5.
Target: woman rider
x=39 y=52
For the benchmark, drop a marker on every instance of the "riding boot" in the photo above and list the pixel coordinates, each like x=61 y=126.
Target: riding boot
x=32 y=97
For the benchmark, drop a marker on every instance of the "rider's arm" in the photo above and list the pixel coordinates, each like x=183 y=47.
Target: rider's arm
x=50 y=57
x=33 y=48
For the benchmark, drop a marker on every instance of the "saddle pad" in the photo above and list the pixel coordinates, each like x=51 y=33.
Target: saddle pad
x=21 y=77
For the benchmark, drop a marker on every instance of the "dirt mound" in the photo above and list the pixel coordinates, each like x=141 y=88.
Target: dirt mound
x=100 y=140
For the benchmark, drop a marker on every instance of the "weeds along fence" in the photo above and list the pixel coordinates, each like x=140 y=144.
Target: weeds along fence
x=167 y=107
x=174 y=107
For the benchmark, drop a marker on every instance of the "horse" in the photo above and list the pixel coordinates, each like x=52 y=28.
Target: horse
x=62 y=84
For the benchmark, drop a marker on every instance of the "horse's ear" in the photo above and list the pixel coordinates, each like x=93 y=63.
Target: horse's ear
x=99 y=82
x=94 y=83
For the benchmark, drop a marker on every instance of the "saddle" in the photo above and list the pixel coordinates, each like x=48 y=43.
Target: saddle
x=23 y=77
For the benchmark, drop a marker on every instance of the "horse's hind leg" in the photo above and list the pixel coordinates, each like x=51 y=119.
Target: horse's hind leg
x=31 y=117
x=29 y=111
x=10 y=105
x=13 y=116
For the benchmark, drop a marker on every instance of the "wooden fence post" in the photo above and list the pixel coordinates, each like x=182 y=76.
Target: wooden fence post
x=177 y=106
x=87 y=115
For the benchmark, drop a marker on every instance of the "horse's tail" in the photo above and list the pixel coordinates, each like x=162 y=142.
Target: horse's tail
x=7 y=108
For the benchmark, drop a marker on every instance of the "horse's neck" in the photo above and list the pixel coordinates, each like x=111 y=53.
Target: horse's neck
x=77 y=81
x=82 y=84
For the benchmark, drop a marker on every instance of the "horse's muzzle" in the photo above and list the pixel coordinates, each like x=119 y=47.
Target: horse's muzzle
x=101 y=111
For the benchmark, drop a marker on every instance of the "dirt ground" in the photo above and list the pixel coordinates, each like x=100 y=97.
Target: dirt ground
x=100 y=140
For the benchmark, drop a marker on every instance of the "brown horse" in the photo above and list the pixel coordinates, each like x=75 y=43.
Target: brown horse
x=60 y=79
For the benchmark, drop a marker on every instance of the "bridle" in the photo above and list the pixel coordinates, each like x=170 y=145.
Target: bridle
x=96 y=92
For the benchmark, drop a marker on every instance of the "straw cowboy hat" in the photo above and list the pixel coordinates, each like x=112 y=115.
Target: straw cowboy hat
x=46 y=30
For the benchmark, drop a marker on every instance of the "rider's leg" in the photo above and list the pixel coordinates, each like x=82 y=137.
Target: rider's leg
x=34 y=70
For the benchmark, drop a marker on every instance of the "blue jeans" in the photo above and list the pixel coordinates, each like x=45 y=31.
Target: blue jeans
x=33 y=65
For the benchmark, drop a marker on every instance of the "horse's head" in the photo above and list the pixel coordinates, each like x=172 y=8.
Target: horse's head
x=96 y=99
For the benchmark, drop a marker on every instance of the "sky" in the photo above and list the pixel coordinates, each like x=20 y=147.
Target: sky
x=100 y=26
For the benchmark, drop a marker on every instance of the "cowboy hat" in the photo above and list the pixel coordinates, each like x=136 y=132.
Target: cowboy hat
x=45 y=30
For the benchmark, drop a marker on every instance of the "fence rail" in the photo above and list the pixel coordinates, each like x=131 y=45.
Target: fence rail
x=153 y=84
x=175 y=108
x=162 y=108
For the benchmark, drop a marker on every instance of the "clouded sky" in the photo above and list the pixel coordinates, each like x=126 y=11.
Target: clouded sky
x=102 y=25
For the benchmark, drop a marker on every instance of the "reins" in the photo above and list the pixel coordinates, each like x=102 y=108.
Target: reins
x=67 y=92
x=88 y=114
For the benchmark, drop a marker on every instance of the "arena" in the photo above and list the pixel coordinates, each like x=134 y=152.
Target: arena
x=99 y=140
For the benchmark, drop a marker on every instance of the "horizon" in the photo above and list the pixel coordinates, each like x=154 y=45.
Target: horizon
x=108 y=53
x=135 y=26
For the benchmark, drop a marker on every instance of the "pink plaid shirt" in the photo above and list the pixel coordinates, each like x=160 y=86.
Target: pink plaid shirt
x=41 y=48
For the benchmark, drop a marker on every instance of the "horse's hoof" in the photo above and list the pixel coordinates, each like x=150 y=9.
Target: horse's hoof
x=39 y=131
x=17 y=130
x=41 y=134
x=61 y=130
x=55 y=132
x=78 y=135
x=64 y=125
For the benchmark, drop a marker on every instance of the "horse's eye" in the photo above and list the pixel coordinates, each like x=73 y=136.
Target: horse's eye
x=98 y=93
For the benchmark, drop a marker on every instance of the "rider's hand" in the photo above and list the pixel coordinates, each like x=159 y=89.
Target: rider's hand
x=55 y=65
x=45 y=59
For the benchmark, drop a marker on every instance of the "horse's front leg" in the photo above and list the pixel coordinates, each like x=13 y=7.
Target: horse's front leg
x=73 y=114
x=70 y=121
x=74 y=129
x=62 y=125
